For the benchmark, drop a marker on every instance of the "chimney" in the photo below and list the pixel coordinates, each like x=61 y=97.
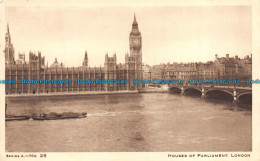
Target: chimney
x=216 y=56
x=227 y=56
x=114 y=56
x=236 y=57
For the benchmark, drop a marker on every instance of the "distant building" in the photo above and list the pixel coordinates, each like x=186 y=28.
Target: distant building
x=146 y=72
x=157 y=72
x=233 y=68
x=224 y=68
x=183 y=71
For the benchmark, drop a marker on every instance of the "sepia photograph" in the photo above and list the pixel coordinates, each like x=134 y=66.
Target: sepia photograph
x=133 y=78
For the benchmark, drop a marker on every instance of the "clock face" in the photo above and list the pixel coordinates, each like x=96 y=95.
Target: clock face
x=136 y=41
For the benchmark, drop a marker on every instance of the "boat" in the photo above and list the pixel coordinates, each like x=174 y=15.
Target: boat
x=58 y=116
x=15 y=118
x=43 y=116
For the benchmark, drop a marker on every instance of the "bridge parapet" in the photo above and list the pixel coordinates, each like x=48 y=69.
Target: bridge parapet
x=235 y=92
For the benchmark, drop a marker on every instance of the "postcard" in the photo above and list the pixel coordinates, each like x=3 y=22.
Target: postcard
x=129 y=80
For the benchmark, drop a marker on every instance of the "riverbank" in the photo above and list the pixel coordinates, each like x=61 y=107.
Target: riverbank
x=145 y=90
x=154 y=90
x=71 y=94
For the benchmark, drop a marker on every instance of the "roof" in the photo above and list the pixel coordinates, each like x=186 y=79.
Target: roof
x=56 y=64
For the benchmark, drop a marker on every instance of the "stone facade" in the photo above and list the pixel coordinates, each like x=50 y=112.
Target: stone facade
x=36 y=69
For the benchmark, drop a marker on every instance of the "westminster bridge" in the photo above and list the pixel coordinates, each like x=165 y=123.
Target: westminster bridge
x=231 y=93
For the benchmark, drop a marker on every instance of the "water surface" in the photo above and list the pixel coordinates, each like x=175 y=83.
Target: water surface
x=129 y=123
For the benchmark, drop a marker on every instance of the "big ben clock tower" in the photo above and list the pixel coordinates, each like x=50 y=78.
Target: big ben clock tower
x=135 y=41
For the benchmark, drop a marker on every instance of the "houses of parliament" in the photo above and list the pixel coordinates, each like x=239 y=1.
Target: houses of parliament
x=36 y=69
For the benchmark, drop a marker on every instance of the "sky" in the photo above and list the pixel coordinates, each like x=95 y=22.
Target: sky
x=169 y=33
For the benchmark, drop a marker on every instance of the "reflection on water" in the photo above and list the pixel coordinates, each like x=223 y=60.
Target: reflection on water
x=130 y=122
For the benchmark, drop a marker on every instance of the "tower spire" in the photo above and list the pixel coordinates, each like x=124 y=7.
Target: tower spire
x=86 y=54
x=85 y=61
x=9 y=49
x=7 y=36
x=135 y=24
x=8 y=28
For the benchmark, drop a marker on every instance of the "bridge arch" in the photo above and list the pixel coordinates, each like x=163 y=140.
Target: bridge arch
x=175 y=90
x=198 y=89
x=245 y=93
x=219 y=94
x=193 y=91
x=245 y=97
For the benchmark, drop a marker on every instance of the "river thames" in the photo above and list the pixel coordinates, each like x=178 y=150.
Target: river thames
x=149 y=122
